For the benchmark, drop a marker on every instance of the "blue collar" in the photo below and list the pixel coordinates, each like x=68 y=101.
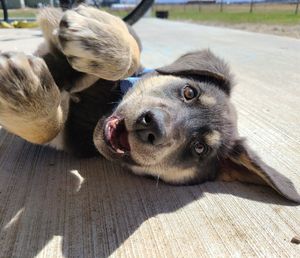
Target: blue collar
x=129 y=82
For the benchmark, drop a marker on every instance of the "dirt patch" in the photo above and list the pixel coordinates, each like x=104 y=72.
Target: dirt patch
x=292 y=31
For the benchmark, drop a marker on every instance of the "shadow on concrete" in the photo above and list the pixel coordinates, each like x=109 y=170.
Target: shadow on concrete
x=91 y=204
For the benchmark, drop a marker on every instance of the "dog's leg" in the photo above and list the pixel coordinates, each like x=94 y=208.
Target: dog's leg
x=98 y=43
x=30 y=101
x=90 y=41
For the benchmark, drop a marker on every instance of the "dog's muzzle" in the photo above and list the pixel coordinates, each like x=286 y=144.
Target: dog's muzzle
x=149 y=128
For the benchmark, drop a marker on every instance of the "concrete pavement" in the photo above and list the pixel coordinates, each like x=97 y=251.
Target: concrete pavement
x=53 y=205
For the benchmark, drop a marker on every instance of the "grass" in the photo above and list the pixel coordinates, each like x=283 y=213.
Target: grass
x=18 y=13
x=235 y=18
x=232 y=14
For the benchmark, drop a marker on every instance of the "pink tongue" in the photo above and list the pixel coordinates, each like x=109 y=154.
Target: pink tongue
x=124 y=141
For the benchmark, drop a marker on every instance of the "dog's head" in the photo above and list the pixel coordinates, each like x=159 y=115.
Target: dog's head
x=178 y=124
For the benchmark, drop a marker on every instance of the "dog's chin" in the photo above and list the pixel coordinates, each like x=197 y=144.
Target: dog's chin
x=111 y=138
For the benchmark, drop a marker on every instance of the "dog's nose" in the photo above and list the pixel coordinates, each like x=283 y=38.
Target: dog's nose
x=150 y=127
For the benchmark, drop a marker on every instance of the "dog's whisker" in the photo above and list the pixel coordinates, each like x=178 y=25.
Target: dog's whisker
x=157 y=180
x=218 y=156
x=114 y=102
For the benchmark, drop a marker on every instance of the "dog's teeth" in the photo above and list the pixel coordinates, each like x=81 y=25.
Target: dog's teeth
x=120 y=151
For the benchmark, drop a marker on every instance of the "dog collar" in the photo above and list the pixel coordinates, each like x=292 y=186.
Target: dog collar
x=129 y=82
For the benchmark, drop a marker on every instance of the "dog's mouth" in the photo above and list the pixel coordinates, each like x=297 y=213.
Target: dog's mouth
x=116 y=135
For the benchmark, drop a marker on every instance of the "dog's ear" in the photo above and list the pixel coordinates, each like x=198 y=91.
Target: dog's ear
x=243 y=165
x=203 y=66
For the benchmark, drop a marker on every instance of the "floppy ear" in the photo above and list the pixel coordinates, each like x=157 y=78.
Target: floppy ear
x=243 y=165
x=202 y=66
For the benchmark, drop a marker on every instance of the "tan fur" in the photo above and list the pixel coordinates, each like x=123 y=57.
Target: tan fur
x=114 y=54
x=213 y=138
x=230 y=174
x=135 y=56
x=28 y=108
x=177 y=176
x=149 y=155
x=48 y=20
x=155 y=82
x=207 y=100
x=37 y=131
x=58 y=141
x=244 y=160
x=246 y=172
x=117 y=24
x=98 y=43
x=167 y=173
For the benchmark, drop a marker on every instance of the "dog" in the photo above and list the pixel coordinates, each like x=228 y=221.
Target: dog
x=177 y=123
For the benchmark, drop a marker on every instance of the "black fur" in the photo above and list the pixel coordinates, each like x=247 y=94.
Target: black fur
x=94 y=103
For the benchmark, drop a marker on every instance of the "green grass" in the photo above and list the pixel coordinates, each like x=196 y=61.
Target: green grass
x=25 y=13
x=237 y=17
x=235 y=14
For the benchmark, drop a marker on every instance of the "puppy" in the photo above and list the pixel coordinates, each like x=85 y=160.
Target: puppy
x=177 y=123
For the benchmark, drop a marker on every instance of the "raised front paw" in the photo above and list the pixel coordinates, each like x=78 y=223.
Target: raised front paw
x=29 y=98
x=98 y=43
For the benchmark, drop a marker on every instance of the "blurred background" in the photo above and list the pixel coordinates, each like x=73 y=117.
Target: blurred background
x=279 y=17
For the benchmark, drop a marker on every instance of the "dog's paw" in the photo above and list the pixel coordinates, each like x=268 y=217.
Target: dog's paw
x=29 y=97
x=98 y=43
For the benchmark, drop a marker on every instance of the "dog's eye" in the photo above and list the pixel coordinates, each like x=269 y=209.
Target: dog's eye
x=200 y=148
x=189 y=92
